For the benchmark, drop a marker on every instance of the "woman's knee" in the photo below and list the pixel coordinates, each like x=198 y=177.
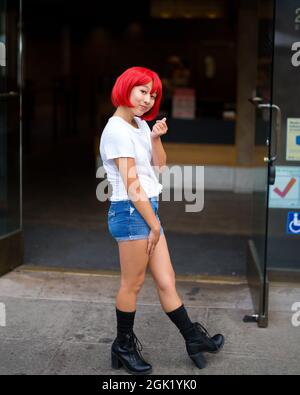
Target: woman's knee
x=167 y=283
x=133 y=285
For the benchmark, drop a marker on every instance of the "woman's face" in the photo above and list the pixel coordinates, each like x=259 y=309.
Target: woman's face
x=142 y=99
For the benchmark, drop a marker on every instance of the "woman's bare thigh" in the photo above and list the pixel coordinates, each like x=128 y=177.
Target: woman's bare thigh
x=133 y=259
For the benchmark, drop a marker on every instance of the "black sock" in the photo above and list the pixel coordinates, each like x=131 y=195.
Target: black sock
x=125 y=321
x=181 y=319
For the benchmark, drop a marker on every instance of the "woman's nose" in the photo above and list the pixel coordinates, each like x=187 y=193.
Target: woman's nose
x=147 y=99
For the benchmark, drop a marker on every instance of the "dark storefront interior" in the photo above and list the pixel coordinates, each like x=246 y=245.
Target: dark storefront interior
x=73 y=51
x=73 y=55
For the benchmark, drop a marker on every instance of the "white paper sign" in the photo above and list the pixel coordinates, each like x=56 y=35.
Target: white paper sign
x=184 y=103
x=293 y=139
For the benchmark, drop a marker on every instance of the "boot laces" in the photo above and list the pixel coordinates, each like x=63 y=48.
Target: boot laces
x=137 y=345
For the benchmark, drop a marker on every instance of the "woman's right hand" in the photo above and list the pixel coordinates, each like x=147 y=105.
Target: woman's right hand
x=153 y=240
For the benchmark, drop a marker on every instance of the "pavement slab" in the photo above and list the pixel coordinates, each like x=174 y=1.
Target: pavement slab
x=63 y=323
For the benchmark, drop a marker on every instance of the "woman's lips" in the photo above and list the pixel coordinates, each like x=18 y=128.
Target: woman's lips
x=144 y=108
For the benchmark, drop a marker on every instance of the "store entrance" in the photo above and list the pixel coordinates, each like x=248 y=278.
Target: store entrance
x=69 y=69
x=65 y=226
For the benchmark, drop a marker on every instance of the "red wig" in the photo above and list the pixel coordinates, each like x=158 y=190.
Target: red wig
x=135 y=76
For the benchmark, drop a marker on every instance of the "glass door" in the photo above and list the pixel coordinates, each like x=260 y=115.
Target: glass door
x=267 y=124
x=11 y=238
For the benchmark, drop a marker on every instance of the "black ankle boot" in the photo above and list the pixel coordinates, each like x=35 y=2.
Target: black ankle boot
x=198 y=340
x=126 y=351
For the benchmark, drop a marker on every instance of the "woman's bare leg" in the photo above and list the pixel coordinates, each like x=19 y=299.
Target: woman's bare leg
x=163 y=273
x=133 y=262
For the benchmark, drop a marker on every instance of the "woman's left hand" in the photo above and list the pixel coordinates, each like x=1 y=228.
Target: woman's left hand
x=159 y=128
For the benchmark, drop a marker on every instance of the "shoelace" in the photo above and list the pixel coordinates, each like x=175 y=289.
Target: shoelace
x=136 y=343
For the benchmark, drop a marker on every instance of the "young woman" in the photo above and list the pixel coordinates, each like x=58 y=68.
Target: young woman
x=129 y=150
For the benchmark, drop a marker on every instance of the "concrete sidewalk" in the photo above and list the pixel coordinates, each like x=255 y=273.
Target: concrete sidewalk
x=64 y=323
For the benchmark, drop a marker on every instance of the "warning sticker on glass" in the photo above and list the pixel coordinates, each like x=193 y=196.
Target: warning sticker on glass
x=293 y=139
x=285 y=193
x=293 y=223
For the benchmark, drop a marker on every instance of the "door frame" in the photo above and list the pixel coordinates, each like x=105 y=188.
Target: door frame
x=12 y=243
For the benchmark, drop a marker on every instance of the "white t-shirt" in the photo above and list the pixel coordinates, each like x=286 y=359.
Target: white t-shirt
x=120 y=139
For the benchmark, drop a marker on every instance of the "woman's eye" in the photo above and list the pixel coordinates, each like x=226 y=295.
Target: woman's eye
x=143 y=91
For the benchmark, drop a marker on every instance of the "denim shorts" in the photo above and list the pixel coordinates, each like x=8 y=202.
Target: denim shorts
x=126 y=223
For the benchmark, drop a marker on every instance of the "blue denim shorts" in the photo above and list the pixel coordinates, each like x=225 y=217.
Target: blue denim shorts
x=126 y=223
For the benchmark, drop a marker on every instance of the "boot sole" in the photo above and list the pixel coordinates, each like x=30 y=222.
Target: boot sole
x=116 y=363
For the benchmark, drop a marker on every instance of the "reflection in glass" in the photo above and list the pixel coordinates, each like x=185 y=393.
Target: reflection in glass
x=9 y=120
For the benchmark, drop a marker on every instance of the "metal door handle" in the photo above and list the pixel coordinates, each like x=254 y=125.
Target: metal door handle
x=277 y=127
x=257 y=101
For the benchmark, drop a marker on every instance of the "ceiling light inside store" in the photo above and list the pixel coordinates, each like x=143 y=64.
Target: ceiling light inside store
x=196 y=9
x=165 y=15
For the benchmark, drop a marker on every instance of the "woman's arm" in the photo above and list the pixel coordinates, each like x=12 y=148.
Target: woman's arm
x=139 y=198
x=159 y=156
x=136 y=192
